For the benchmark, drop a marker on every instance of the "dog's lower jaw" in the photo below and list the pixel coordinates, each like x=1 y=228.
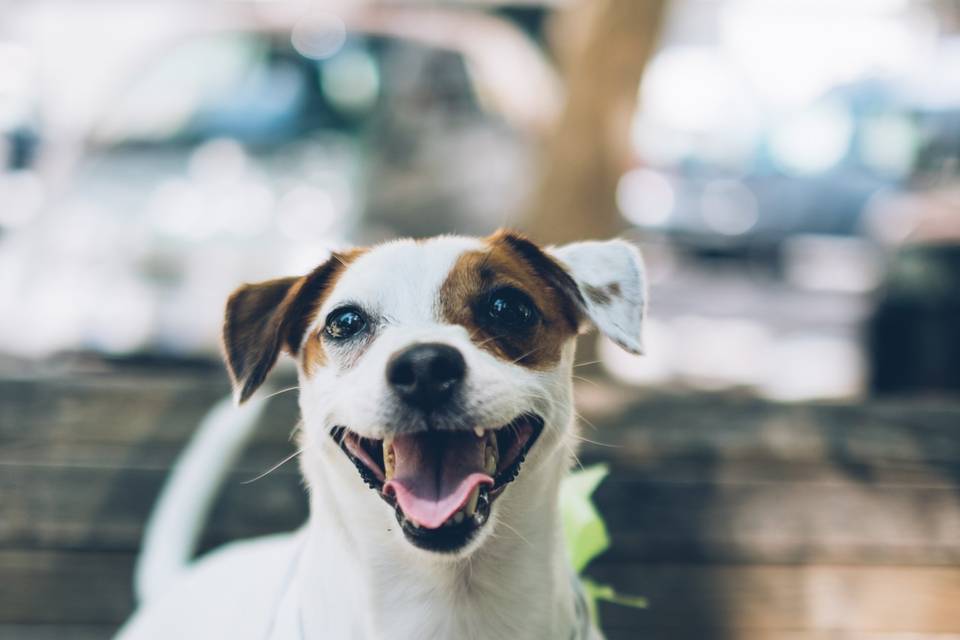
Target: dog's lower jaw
x=516 y=585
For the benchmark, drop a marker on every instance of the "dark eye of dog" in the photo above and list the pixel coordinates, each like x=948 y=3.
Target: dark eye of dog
x=512 y=309
x=344 y=323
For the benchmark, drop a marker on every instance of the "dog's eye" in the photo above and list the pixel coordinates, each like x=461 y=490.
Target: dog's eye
x=345 y=322
x=511 y=308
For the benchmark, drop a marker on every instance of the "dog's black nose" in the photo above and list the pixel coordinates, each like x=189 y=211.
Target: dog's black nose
x=426 y=375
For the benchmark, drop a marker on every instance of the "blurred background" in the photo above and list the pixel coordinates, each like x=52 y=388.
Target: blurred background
x=786 y=455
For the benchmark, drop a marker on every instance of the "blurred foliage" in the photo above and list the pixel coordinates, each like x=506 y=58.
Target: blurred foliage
x=586 y=535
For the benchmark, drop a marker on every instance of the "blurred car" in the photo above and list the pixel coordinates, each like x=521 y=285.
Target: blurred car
x=814 y=173
x=245 y=152
x=912 y=335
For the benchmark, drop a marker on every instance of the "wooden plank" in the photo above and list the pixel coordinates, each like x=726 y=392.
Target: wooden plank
x=787 y=522
x=689 y=601
x=95 y=509
x=856 y=438
x=47 y=587
x=139 y=411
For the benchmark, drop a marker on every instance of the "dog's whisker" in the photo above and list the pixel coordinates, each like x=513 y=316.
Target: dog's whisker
x=516 y=533
x=488 y=340
x=297 y=429
x=587 y=364
x=277 y=393
x=573 y=454
x=526 y=355
x=276 y=466
x=588 y=380
x=585 y=421
x=580 y=438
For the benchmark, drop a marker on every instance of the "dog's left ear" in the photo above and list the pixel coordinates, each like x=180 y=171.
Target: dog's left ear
x=611 y=280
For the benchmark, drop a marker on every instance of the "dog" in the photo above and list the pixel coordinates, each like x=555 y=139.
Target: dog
x=435 y=385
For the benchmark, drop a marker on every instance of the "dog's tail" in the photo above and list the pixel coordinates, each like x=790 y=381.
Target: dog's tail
x=174 y=527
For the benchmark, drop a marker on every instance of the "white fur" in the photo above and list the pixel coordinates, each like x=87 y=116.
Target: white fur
x=350 y=573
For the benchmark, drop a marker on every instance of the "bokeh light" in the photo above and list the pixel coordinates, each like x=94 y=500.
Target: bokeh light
x=645 y=197
x=319 y=35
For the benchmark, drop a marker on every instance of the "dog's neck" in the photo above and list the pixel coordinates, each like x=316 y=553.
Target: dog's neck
x=517 y=585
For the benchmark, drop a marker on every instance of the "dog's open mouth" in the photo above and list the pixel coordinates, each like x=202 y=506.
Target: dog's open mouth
x=442 y=483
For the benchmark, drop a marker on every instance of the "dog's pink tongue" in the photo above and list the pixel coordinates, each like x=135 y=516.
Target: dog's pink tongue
x=434 y=474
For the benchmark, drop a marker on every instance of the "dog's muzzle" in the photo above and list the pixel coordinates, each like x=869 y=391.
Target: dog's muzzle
x=442 y=484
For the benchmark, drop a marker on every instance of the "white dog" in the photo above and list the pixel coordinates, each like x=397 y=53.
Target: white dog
x=435 y=388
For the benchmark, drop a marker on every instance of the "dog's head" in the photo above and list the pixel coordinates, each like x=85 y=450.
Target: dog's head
x=435 y=368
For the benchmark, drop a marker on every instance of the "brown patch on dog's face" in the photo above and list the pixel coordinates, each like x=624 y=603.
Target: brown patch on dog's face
x=510 y=262
x=263 y=319
x=313 y=355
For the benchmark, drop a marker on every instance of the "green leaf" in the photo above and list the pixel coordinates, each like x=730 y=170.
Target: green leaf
x=596 y=592
x=584 y=529
x=587 y=536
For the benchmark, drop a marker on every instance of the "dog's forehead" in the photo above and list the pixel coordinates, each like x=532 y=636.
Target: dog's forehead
x=401 y=278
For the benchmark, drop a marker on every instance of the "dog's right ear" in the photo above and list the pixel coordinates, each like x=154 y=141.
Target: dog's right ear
x=254 y=325
x=613 y=290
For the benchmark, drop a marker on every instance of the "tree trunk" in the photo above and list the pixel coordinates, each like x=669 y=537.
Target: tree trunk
x=603 y=46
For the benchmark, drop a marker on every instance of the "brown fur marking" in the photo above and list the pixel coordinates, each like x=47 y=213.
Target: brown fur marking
x=597 y=294
x=313 y=354
x=603 y=295
x=263 y=319
x=511 y=260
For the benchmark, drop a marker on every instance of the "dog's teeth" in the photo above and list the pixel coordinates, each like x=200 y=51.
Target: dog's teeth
x=458 y=517
x=490 y=460
x=389 y=458
x=471 y=505
x=478 y=431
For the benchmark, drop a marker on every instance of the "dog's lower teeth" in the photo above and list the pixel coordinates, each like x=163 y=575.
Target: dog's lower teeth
x=471 y=505
x=458 y=518
x=478 y=431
